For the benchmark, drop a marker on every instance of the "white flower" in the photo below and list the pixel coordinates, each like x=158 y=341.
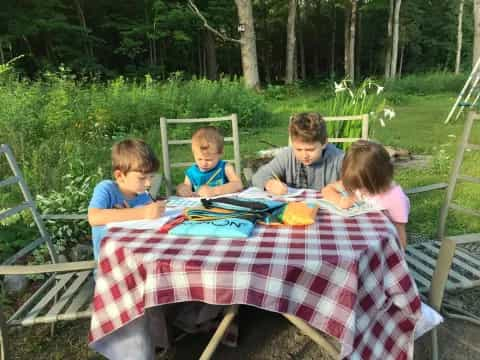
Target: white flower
x=379 y=89
x=451 y=135
x=389 y=113
x=339 y=87
x=382 y=122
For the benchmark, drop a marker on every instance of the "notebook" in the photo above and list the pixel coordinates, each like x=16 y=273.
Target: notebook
x=144 y=224
x=358 y=209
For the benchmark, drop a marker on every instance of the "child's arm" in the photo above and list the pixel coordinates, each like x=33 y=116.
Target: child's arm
x=264 y=178
x=234 y=184
x=402 y=234
x=185 y=189
x=98 y=217
x=331 y=193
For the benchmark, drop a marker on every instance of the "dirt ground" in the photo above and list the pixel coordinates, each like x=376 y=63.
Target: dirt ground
x=263 y=335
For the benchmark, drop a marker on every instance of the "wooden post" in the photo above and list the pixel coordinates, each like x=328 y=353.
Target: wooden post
x=365 y=127
x=236 y=144
x=165 y=155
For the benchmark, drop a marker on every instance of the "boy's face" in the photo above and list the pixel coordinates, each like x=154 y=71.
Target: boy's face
x=206 y=159
x=307 y=152
x=133 y=182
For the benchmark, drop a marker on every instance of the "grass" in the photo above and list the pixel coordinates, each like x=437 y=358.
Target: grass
x=417 y=127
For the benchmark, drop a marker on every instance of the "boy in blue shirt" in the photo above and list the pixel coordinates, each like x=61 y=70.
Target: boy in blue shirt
x=210 y=175
x=125 y=198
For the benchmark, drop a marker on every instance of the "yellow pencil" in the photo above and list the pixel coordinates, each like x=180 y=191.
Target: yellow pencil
x=213 y=176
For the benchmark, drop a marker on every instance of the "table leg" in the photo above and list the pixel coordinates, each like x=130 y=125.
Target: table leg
x=314 y=335
x=218 y=335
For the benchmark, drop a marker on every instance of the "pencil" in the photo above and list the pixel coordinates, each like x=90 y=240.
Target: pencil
x=213 y=176
x=275 y=176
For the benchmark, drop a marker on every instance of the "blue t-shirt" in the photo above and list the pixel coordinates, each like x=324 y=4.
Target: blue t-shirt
x=107 y=195
x=198 y=177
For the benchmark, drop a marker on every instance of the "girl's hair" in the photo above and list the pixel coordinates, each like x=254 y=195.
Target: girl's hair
x=308 y=127
x=367 y=166
x=134 y=155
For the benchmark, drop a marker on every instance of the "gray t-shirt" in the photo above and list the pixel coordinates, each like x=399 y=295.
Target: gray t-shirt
x=319 y=174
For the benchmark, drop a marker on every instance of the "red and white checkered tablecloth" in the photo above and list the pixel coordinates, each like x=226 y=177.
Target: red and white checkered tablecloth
x=344 y=276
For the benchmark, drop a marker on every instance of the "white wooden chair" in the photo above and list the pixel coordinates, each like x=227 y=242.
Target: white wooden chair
x=168 y=165
x=449 y=265
x=67 y=292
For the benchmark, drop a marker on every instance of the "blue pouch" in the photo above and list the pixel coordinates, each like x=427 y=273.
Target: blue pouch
x=228 y=228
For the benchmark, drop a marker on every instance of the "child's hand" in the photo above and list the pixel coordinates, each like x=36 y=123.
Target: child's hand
x=347 y=202
x=154 y=210
x=206 y=191
x=276 y=187
x=184 y=190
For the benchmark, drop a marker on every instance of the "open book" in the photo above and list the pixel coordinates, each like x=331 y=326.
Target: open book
x=361 y=207
x=145 y=224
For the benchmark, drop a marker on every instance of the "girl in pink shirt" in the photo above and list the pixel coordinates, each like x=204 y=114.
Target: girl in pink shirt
x=367 y=175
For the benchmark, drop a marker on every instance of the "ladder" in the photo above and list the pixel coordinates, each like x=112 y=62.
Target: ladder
x=455 y=176
x=470 y=89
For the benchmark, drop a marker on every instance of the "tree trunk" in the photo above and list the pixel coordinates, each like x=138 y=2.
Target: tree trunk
x=248 y=45
x=333 y=42
x=211 y=51
x=476 y=36
x=200 y=62
x=2 y=56
x=290 y=70
x=346 y=52
x=358 y=46
x=396 y=32
x=388 y=43
x=400 y=66
x=316 y=63
x=459 y=37
x=301 y=49
x=353 y=25
x=83 y=23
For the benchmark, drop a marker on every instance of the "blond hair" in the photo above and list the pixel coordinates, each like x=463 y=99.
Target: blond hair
x=134 y=155
x=308 y=127
x=208 y=139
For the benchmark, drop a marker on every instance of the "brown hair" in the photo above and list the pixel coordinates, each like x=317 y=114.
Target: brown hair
x=206 y=138
x=134 y=155
x=367 y=165
x=308 y=127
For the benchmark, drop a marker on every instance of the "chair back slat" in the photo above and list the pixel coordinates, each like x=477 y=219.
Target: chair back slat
x=168 y=165
x=28 y=204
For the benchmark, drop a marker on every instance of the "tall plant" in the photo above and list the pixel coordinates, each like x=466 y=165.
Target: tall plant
x=367 y=98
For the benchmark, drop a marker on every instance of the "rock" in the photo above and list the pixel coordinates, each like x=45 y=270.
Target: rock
x=81 y=252
x=15 y=283
x=398 y=154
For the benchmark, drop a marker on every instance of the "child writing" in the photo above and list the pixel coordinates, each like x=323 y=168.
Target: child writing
x=367 y=175
x=210 y=175
x=310 y=162
x=126 y=197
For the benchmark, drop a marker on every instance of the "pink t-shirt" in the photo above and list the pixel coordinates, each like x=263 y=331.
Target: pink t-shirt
x=395 y=203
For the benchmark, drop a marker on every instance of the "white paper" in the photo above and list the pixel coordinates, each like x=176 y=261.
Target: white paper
x=254 y=192
x=183 y=202
x=359 y=209
x=148 y=224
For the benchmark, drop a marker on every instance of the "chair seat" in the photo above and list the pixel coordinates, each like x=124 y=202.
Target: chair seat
x=65 y=296
x=465 y=271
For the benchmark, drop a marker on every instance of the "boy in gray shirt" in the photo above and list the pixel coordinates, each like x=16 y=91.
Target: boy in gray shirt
x=310 y=162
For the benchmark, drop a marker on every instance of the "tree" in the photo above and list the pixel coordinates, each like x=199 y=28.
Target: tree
x=459 y=36
x=396 y=32
x=476 y=26
x=291 y=39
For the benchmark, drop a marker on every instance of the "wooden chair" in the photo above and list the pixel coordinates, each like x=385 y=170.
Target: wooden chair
x=67 y=292
x=168 y=165
x=449 y=264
